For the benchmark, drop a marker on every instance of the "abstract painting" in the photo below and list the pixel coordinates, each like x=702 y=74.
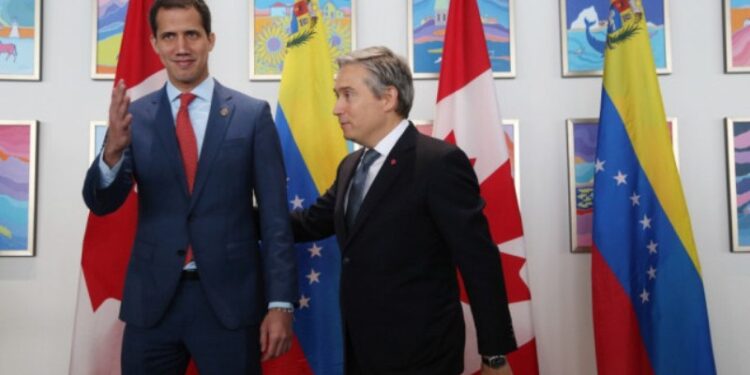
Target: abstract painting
x=17 y=187
x=584 y=34
x=427 y=20
x=108 y=25
x=270 y=22
x=737 y=35
x=20 y=35
x=582 y=136
x=738 y=171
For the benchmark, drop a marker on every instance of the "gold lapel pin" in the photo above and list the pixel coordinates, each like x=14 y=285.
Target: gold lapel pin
x=224 y=112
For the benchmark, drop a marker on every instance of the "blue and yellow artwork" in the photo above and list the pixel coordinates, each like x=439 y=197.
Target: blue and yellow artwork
x=585 y=32
x=427 y=22
x=271 y=25
x=110 y=23
x=19 y=39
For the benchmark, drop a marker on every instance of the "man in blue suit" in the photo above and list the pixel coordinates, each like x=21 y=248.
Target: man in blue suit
x=197 y=285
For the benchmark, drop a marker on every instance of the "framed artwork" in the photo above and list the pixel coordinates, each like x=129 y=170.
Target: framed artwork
x=427 y=20
x=108 y=23
x=18 y=142
x=738 y=172
x=584 y=35
x=20 y=39
x=737 y=35
x=582 y=136
x=510 y=128
x=270 y=22
x=97 y=131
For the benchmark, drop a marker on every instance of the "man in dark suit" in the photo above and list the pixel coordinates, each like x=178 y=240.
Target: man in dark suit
x=406 y=210
x=197 y=285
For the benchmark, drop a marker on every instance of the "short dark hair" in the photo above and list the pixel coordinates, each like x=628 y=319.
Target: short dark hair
x=199 y=5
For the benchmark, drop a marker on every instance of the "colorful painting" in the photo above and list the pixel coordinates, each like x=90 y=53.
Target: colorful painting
x=17 y=187
x=97 y=131
x=108 y=24
x=582 y=135
x=584 y=34
x=427 y=20
x=737 y=35
x=270 y=24
x=738 y=168
x=20 y=33
x=510 y=127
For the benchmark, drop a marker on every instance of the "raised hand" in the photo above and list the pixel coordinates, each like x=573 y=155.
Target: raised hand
x=118 y=131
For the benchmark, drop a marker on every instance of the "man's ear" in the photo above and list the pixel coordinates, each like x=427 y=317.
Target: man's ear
x=390 y=99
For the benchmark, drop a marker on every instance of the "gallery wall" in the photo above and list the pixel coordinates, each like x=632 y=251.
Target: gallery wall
x=38 y=294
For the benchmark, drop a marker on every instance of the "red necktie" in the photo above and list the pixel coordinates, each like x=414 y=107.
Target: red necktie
x=188 y=148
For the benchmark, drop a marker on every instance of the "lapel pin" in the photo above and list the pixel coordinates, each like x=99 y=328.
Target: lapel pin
x=224 y=111
x=393 y=161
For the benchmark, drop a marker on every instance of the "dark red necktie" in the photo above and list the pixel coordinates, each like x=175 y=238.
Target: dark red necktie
x=188 y=148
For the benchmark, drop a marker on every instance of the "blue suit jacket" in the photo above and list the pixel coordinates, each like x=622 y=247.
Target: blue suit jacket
x=241 y=154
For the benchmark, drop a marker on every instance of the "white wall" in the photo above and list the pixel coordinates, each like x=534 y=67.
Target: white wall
x=38 y=295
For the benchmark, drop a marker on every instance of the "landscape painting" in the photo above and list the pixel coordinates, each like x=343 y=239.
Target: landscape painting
x=17 y=187
x=738 y=167
x=20 y=34
x=109 y=24
x=737 y=35
x=584 y=35
x=270 y=24
x=428 y=19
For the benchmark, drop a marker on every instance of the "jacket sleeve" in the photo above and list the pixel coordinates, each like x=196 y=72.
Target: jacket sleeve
x=456 y=206
x=107 y=200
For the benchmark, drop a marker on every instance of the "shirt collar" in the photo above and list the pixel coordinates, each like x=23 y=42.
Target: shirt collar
x=386 y=144
x=203 y=91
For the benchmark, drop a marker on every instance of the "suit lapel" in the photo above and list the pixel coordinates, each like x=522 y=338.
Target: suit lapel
x=394 y=163
x=219 y=117
x=164 y=126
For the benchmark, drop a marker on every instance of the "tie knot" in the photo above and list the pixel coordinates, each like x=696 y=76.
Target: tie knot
x=369 y=157
x=186 y=98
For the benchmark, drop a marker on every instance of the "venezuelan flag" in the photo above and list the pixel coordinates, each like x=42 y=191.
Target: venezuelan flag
x=649 y=306
x=313 y=145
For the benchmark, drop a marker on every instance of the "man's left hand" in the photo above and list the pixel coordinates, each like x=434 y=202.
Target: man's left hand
x=504 y=370
x=275 y=334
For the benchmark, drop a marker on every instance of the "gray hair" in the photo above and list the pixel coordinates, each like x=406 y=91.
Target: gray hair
x=386 y=69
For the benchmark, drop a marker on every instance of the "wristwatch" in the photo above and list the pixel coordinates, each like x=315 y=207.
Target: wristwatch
x=494 y=361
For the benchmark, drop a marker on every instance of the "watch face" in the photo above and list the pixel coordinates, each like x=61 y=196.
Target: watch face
x=495 y=361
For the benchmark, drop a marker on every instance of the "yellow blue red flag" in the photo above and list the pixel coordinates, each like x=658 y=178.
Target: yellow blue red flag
x=313 y=145
x=650 y=312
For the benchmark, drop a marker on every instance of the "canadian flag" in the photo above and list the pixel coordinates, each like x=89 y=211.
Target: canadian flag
x=467 y=115
x=97 y=336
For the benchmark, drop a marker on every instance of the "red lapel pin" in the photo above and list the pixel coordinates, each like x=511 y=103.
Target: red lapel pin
x=393 y=161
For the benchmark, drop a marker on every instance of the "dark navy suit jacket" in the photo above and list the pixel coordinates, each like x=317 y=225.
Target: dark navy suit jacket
x=241 y=155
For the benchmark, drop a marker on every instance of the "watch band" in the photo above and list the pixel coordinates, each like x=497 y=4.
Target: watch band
x=494 y=361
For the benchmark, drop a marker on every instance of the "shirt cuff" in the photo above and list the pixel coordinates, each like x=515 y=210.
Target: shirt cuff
x=108 y=175
x=283 y=305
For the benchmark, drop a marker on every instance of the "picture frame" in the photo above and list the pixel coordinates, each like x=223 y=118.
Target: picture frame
x=18 y=143
x=583 y=25
x=738 y=168
x=581 y=140
x=97 y=132
x=511 y=131
x=426 y=29
x=269 y=22
x=737 y=36
x=20 y=40
x=107 y=26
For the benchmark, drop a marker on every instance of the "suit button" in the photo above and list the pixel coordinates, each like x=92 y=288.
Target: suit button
x=346 y=260
x=181 y=253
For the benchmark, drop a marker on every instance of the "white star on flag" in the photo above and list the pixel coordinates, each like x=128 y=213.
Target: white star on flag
x=304 y=302
x=635 y=199
x=297 y=202
x=599 y=165
x=621 y=178
x=646 y=222
x=315 y=250
x=644 y=296
x=652 y=246
x=313 y=276
x=651 y=272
